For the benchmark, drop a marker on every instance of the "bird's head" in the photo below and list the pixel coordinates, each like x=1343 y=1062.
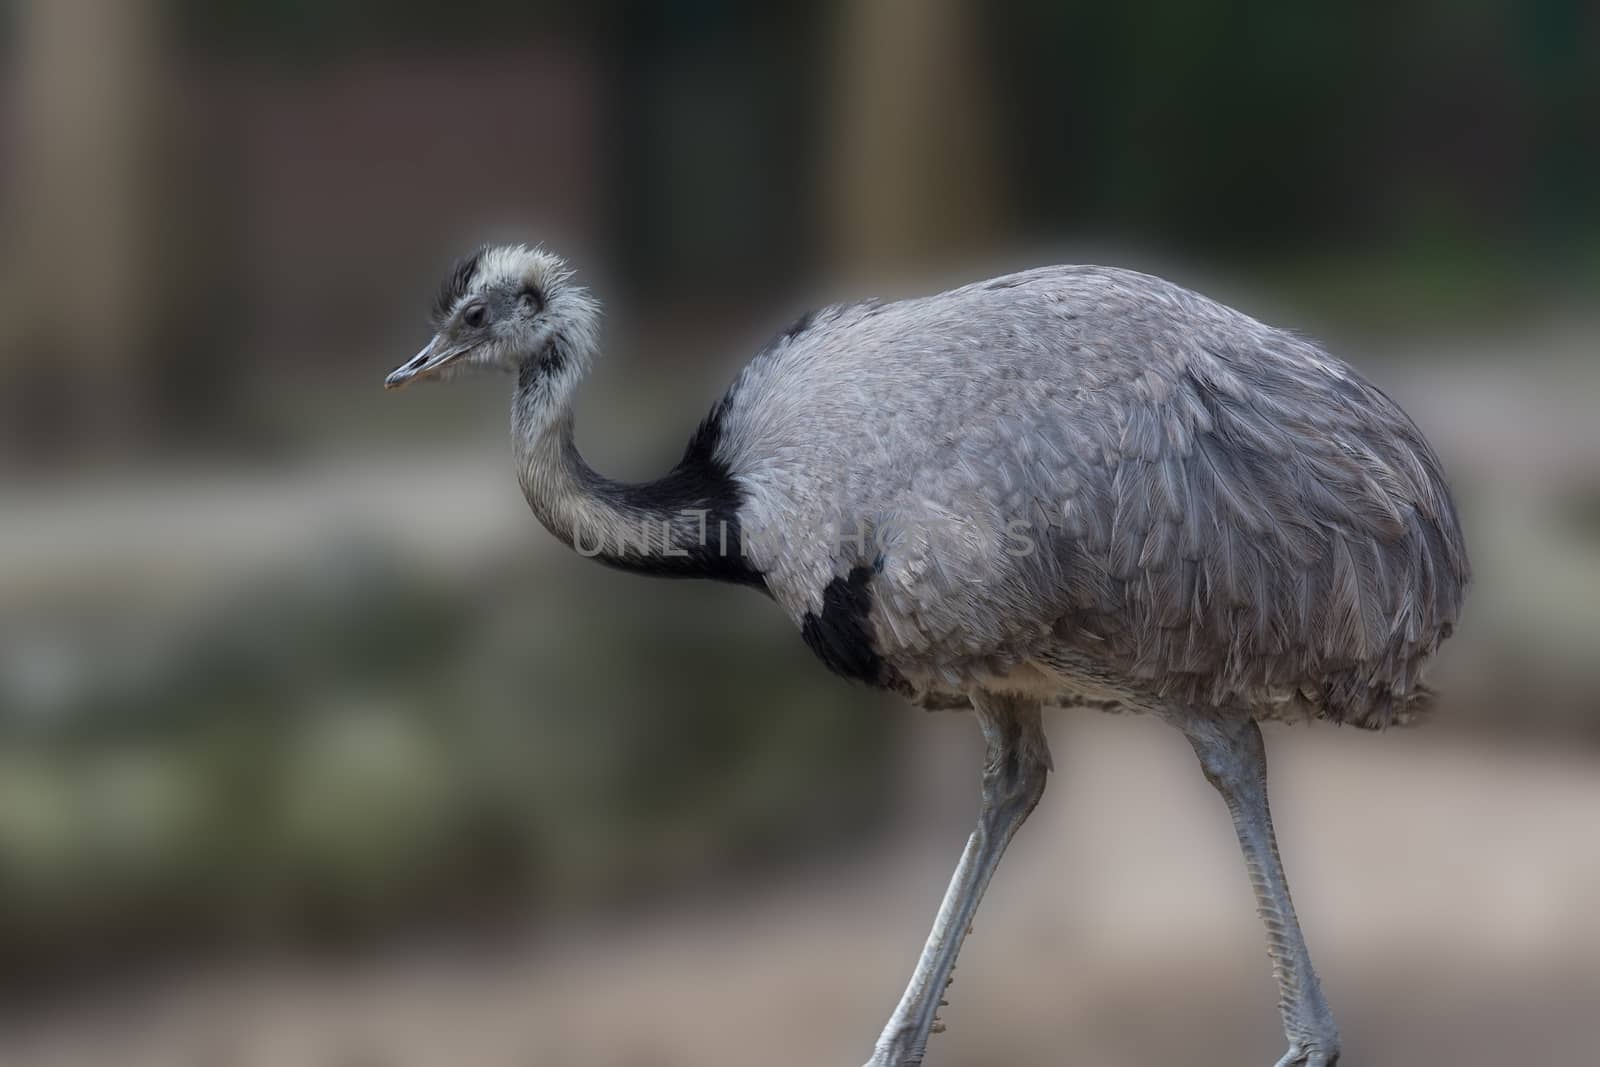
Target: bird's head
x=506 y=307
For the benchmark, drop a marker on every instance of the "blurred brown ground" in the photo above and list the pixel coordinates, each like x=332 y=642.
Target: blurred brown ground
x=1447 y=889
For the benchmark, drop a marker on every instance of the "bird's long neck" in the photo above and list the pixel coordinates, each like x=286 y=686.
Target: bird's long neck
x=685 y=525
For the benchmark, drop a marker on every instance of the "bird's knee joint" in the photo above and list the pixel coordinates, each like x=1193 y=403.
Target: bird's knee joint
x=1227 y=766
x=1014 y=782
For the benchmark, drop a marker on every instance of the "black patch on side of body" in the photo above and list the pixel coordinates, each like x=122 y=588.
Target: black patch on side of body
x=699 y=483
x=842 y=636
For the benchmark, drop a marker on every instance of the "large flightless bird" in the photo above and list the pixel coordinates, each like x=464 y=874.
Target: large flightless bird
x=1070 y=486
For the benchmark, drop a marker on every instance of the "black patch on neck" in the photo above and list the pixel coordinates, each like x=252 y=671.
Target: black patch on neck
x=528 y=375
x=699 y=483
x=842 y=635
x=532 y=371
x=455 y=285
x=553 y=358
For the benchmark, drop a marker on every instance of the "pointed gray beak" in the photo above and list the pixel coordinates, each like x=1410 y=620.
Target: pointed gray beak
x=438 y=354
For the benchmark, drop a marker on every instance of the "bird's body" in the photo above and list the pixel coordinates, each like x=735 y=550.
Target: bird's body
x=1074 y=485
x=1082 y=467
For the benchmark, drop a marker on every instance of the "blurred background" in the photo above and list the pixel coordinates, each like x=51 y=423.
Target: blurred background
x=316 y=752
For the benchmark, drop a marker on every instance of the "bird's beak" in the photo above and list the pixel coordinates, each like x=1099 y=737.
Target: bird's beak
x=437 y=355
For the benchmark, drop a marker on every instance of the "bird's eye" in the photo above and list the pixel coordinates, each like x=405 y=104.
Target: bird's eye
x=475 y=316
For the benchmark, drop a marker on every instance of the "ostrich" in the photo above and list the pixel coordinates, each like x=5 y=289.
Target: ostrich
x=1072 y=486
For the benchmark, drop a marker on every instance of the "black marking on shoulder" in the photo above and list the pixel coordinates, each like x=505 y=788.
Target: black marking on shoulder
x=842 y=635
x=800 y=325
x=703 y=442
x=455 y=285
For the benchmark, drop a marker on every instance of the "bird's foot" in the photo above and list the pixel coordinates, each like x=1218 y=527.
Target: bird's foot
x=1310 y=1055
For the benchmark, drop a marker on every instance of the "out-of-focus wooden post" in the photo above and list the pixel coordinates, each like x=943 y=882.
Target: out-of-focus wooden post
x=916 y=177
x=92 y=81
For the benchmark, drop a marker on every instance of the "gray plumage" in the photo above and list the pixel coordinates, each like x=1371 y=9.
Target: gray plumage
x=1210 y=510
x=1073 y=485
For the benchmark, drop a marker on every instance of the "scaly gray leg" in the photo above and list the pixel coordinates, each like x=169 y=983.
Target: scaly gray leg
x=1235 y=762
x=1014 y=773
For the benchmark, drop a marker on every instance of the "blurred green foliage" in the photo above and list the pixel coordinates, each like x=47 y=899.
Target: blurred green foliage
x=1259 y=128
x=338 y=751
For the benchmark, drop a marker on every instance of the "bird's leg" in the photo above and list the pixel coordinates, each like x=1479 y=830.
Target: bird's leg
x=1017 y=761
x=1235 y=762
